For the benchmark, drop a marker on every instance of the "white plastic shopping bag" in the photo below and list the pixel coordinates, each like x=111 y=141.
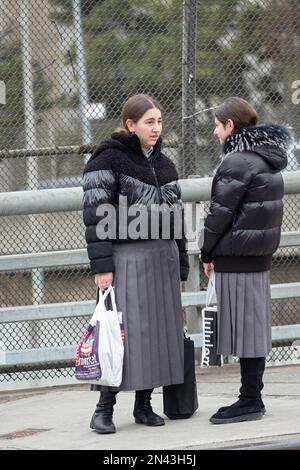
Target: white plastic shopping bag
x=99 y=355
x=209 y=327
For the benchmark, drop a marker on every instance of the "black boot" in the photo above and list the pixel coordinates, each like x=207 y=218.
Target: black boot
x=250 y=406
x=262 y=407
x=101 y=421
x=258 y=364
x=143 y=412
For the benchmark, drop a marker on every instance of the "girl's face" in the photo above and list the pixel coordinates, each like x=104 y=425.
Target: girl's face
x=148 y=128
x=222 y=131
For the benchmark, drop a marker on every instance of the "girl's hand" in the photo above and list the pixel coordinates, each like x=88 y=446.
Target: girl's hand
x=104 y=280
x=208 y=267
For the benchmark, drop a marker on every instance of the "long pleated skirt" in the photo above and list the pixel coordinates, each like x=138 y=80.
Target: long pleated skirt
x=244 y=314
x=147 y=288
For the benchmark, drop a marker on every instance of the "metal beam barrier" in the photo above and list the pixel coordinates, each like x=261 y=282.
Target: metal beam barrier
x=35 y=359
x=79 y=256
x=86 y=307
x=70 y=199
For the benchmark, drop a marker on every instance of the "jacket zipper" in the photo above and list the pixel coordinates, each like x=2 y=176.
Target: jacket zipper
x=156 y=182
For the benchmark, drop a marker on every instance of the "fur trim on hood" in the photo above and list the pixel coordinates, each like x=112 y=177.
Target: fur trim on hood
x=270 y=141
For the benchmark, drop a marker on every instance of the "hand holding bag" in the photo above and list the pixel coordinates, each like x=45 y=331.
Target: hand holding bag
x=99 y=354
x=210 y=328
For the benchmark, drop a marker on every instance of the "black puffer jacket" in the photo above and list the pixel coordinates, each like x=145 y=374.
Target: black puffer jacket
x=243 y=227
x=117 y=168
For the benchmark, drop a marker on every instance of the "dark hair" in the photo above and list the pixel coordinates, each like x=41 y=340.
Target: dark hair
x=238 y=110
x=135 y=107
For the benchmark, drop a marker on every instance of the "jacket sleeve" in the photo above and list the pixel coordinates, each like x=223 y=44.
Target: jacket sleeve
x=182 y=244
x=228 y=189
x=183 y=257
x=99 y=188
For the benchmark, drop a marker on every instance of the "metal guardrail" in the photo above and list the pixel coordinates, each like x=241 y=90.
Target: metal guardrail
x=70 y=199
x=79 y=256
x=66 y=354
x=79 y=309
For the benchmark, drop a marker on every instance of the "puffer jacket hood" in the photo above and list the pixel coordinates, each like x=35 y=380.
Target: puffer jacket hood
x=124 y=142
x=270 y=141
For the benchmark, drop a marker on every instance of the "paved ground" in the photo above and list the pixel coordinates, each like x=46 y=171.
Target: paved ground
x=58 y=418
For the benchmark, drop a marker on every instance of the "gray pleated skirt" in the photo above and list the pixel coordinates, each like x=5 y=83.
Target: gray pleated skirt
x=244 y=314
x=147 y=288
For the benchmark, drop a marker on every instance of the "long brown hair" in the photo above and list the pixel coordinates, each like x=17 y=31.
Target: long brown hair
x=135 y=107
x=238 y=110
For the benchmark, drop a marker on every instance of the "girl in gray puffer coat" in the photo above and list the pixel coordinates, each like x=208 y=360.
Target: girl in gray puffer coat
x=241 y=233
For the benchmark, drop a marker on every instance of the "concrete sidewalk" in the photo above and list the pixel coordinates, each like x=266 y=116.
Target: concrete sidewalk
x=58 y=418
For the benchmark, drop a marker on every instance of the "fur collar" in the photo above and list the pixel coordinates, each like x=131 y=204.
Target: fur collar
x=251 y=138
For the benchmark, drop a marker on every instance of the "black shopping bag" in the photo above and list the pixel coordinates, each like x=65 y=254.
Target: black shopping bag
x=180 y=400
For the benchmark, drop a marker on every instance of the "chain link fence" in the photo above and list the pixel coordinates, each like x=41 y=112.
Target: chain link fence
x=68 y=65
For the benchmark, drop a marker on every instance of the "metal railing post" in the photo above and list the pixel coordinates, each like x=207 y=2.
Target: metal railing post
x=189 y=86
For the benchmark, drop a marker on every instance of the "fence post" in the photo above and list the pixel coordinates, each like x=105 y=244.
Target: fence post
x=31 y=138
x=32 y=168
x=82 y=75
x=189 y=86
x=2 y=92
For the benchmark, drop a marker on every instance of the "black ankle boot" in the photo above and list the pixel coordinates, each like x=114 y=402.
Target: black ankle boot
x=250 y=406
x=143 y=412
x=262 y=407
x=101 y=421
x=245 y=409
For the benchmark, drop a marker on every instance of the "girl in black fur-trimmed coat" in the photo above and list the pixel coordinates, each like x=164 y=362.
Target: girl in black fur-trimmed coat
x=143 y=253
x=241 y=232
